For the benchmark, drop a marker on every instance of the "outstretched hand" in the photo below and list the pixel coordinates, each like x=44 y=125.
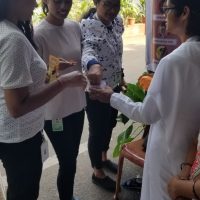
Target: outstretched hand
x=102 y=95
x=73 y=79
x=94 y=74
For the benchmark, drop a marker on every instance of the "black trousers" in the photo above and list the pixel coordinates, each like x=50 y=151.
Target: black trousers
x=102 y=120
x=66 y=145
x=23 y=165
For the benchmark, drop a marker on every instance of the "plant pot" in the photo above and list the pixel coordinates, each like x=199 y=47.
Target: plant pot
x=131 y=21
x=143 y=19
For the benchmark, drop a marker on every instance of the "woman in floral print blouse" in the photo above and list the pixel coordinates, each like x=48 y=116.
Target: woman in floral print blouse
x=102 y=61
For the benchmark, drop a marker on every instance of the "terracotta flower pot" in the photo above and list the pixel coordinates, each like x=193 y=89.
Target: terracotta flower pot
x=131 y=21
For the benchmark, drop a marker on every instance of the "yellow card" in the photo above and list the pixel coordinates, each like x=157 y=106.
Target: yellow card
x=53 y=65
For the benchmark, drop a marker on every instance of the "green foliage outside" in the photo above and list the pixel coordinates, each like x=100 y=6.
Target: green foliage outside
x=133 y=10
x=79 y=7
x=38 y=13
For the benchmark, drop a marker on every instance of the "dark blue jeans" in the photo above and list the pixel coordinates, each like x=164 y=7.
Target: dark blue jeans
x=102 y=120
x=23 y=165
x=66 y=145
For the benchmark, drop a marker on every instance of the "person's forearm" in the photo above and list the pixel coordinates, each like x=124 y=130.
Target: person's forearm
x=192 y=152
x=188 y=162
x=184 y=189
x=146 y=112
x=36 y=100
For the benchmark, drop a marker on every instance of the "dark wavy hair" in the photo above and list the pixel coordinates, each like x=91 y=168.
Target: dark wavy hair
x=193 y=27
x=25 y=26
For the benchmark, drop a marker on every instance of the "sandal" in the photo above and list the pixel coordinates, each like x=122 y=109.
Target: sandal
x=133 y=184
x=106 y=183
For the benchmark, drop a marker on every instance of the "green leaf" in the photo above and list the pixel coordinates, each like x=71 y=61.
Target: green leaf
x=118 y=147
x=135 y=92
x=122 y=139
x=128 y=131
x=124 y=135
x=116 y=150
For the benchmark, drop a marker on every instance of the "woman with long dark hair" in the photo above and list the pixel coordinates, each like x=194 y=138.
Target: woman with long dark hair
x=22 y=96
x=171 y=105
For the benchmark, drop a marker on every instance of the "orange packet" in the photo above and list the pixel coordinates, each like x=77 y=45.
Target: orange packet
x=53 y=65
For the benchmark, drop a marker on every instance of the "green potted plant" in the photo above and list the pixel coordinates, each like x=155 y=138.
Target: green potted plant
x=128 y=12
x=141 y=6
x=131 y=18
x=137 y=93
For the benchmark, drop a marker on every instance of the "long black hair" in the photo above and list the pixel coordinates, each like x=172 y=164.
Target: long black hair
x=25 y=26
x=193 y=26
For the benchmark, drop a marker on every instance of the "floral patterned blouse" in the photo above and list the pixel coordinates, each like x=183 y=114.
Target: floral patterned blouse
x=103 y=44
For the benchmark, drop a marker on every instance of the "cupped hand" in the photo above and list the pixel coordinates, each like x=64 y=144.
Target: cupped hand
x=185 y=173
x=73 y=79
x=94 y=74
x=102 y=95
x=123 y=85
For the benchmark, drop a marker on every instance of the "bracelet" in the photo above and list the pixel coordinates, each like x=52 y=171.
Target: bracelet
x=185 y=163
x=194 y=191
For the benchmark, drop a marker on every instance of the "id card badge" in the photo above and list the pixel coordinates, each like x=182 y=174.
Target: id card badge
x=44 y=150
x=57 y=125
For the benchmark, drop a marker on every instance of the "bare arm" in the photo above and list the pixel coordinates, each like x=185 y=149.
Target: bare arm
x=20 y=101
x=190 y=157
x=183 y=188
x=16 y=77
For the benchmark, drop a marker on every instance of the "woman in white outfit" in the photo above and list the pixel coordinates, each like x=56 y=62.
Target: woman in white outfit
x=22 y=96
x=172 y=104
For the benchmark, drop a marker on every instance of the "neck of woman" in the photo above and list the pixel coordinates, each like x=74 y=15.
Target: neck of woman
x=54 y=21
